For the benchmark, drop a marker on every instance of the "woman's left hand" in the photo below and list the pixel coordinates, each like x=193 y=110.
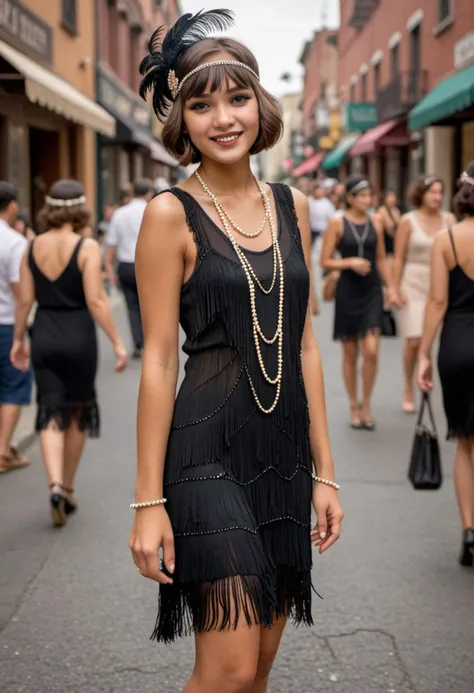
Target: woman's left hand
x=425 y=374
x=329 y=513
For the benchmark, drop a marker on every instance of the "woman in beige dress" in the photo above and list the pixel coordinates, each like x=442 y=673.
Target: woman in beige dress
x=411 y=267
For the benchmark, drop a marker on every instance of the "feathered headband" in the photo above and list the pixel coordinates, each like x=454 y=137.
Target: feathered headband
x=160 y=66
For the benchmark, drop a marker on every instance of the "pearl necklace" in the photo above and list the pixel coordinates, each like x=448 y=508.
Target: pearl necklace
x=252 y=280
x=236 y=226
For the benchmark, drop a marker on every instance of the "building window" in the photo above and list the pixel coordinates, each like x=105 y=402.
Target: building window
x=69 y=15
x=395 y=60
x=376 y=80
x=444 y=10
x=352 y=93
x=363 y=87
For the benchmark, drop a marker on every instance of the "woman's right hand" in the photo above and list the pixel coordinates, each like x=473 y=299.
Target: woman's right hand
x=152 y=530
x=360 y=265
x=121 y=356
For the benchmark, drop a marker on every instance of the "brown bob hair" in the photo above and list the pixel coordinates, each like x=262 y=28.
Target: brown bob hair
x=421 y=187
x=464 y=199
x=54 y=217
x=175 y=137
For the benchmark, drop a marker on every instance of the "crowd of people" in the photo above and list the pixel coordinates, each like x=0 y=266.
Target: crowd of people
x=373 y=261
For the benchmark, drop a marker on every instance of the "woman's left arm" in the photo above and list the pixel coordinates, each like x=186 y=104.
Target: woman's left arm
x=435 y=310
x=325 y=498
x=24 y=299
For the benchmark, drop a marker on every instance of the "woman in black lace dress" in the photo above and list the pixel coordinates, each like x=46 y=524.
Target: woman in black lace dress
x=62 y=272
x=451 y=305
x=225 y=476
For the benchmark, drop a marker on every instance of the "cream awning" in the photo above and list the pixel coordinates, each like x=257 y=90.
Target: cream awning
x=159 y=153
x=49 y=90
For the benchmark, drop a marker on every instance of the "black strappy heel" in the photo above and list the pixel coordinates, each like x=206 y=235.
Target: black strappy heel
x=69 y=507
x=466 y=558
x=58 y=510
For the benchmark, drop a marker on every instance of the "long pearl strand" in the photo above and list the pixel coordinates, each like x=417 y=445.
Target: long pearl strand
x=252 y=279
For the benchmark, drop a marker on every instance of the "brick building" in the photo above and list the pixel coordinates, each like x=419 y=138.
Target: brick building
x=320 y=104
x=48 y=118
x=392 y=55
x=124 y=28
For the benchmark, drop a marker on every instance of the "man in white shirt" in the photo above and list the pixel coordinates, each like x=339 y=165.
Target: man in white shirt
x=15 y=385
x=121 y=241
x=321 y=209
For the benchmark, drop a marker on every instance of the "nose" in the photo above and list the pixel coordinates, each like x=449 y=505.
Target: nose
x=223 y=117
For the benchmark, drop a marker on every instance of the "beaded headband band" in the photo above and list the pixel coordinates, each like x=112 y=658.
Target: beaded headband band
x=58 y=202
x=175 y=85
x=466 y=178
x=358 y=187
x=430 y=180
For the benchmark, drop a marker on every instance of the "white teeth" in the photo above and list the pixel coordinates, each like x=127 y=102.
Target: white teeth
x=226 y=139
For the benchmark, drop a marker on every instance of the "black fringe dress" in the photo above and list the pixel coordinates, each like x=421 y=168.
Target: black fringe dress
x=238 y=481
x=64 y=350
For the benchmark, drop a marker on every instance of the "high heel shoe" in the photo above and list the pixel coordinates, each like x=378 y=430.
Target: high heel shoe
x=69 y=507
x=467 y=549
x=58 y=511
x=355 y=421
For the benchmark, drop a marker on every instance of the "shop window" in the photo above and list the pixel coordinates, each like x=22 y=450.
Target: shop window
x=69 y=15
x=444 y=10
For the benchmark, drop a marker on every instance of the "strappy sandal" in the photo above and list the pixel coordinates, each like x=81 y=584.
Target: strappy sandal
x=58 y=510
x=69 y=508
x=8 y=463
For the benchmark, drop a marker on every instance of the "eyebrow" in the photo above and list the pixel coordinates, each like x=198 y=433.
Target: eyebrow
x=206 y=95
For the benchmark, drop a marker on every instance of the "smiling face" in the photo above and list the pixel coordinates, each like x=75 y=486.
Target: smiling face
x=361 y=202
x=223 y=121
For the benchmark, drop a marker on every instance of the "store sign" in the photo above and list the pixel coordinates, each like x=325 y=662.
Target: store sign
x=24 y=30
x=464 y=51
x=360 y=116
x=118 y=102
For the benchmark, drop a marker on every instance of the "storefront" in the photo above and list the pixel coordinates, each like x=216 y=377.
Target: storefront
x=133 y=152
x=47 y=126
x=446 y=115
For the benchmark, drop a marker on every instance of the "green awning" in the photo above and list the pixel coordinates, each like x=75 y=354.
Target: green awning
x=336 y=157
x=452 y=95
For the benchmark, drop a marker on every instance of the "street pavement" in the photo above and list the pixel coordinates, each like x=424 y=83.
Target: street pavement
x=397 y=614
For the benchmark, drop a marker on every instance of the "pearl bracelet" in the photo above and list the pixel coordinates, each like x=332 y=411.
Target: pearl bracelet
x=148 y=504
x=320 y=480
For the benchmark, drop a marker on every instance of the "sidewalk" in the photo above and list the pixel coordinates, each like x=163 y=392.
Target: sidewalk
x=25 y=434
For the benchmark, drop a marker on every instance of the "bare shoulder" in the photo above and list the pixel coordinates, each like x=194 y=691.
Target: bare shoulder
x=164 y=218
x=90 y=247
x=300 y=200
x=405 y=222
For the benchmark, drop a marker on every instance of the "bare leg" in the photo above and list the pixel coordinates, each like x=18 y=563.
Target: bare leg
x=226 y=662
x=73 y=447
x=464 y=481
x=269 y=643
x=370 y=351
x=350 y=351
x=52 y=447
x=410 y=357
x=9 y=416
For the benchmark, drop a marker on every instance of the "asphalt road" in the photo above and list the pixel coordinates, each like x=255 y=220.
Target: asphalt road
x=397 y=614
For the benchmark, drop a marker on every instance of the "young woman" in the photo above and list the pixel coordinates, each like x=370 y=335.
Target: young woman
x=411 y=270
x=359 y=304
x=451 y=302
x=225 y=474
x=62 y=271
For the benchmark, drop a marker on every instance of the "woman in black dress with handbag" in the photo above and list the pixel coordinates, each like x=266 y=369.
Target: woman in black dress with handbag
x=358 y=302
x=451 y=304
x=62 y=272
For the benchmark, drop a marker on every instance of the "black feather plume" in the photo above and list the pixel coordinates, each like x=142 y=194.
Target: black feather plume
x=164 y=55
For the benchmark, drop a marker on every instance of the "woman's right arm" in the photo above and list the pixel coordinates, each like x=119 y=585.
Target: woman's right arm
x=401 y=244
x=159 y=266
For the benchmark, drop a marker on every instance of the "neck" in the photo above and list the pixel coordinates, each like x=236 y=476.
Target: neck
x=6 y=219
x=228 y=179
x=359 y=216
x=429 y=212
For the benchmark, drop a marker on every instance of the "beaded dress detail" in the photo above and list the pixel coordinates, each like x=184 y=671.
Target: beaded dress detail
x=238 y=481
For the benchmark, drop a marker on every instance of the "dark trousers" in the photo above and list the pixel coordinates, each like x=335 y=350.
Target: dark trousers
x=126 y=274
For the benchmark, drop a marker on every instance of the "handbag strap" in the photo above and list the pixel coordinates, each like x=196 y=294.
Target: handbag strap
x=426 y=400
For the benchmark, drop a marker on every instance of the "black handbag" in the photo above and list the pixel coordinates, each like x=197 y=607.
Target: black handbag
x=425 y=472
x=389 y=325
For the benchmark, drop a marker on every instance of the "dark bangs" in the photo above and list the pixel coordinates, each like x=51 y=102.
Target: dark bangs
x=214 y=78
